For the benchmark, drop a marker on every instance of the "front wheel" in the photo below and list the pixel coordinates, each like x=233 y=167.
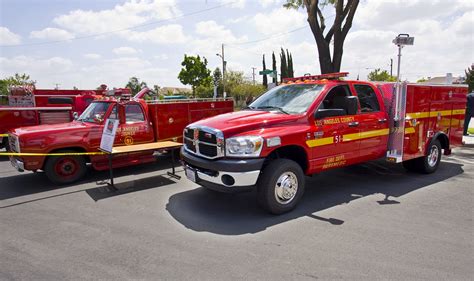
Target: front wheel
x=65 y=169
x=280 y=186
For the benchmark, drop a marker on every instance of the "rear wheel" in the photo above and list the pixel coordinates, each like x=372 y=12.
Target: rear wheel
x=65 y=169
x=429 y=163
x=281 y=186
x=426 y=164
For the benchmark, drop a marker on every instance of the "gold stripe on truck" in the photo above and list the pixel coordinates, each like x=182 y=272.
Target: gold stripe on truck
x=417 y=115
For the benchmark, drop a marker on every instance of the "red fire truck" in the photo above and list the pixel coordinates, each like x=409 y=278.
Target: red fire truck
x=315 y=123
x=140 y=122
x=28 y=106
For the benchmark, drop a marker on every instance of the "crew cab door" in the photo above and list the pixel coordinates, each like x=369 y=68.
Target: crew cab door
x=134 y=126
x=373 y=123
x=334 y=141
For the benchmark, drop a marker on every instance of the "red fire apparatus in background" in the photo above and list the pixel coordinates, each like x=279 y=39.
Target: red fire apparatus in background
x=140 y=122
x=315 y=123
x=28 y=106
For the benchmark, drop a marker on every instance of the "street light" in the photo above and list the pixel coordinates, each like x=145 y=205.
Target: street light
x=223 y=70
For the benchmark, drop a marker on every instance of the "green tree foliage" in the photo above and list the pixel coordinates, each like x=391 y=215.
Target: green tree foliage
x=274 y=68
x=135 y=85
x=264 y=67
x=470 y=78
x=421 y=80
x=335 y=35
x=15 y=80
x=291 y=72
x=204 y=91
x=217 y=80
x=283 y=65
x=194 y=72
x=240 y=88
x=380 y=75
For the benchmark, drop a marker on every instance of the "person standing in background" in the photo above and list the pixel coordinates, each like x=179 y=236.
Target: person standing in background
x=469 y=111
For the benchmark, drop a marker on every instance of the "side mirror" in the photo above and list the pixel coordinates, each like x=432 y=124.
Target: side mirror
x=75 y=115
x=352 y=105
x=323 y=113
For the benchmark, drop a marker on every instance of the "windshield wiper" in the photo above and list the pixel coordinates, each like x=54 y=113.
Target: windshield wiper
x=272 y=107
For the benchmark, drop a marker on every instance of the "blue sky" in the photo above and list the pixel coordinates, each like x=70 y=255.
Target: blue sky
x=153 y=52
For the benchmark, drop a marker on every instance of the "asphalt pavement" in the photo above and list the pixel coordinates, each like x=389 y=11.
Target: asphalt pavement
x=368 y=222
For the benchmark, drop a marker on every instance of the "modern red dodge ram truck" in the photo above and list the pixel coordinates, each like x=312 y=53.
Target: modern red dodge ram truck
x=316 y=123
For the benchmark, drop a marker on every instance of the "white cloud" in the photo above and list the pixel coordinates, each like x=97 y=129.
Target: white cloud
x=235 y=4
x=116 y=72
x=92 y=56
x=210 y=38
x=46 y=71
x=124 y=51
x=161 y=57
x=166 y=34
x=279 y=20
x=131 y=13
x=266 y=3
x=51 y=33
x=442 y=30
x=8 y=38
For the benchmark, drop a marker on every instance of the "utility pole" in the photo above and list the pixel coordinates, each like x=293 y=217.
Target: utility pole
x=391 y=67
x=223 y=70
x=253 y=74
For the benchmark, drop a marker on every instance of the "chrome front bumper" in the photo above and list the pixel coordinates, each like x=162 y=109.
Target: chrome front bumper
x=226 y=175
x=17 y=164
x=240 y=179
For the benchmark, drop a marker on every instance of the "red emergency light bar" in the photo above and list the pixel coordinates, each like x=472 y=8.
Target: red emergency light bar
x=335 y=75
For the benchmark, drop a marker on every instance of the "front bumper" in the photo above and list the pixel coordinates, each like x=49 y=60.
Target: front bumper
x=225 y=175
x=17 y=164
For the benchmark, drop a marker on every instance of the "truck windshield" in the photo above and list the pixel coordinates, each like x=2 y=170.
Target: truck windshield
x=95 y=112
x=289 y=99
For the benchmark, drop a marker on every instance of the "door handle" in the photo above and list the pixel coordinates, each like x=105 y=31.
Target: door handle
x=383 y=120
x=353 y=124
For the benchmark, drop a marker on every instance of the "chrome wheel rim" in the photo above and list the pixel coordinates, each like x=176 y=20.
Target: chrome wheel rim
x=433 y=156
x=286 y=188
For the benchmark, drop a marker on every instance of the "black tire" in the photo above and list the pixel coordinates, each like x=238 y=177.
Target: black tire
x=274 y=200
x=65 y=169
x=430 y=162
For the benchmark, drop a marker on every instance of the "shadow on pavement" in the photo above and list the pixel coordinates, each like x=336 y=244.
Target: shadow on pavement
x=104 y=192
x=29 y=183
x=236 y=214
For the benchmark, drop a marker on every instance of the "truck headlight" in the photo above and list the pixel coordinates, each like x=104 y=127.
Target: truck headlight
x=247 y=146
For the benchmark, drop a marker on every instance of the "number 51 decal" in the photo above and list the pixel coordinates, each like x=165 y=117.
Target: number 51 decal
x=337 y=139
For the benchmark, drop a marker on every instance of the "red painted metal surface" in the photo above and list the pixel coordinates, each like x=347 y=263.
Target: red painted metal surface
x=161 y=121
x=331 y=142
x=45 y=102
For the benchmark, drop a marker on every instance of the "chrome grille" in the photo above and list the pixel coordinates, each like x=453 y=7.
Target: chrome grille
x=13 y=141
x=204 y=141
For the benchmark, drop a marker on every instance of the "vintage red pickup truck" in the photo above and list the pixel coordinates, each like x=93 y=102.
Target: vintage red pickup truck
x=140 y=122
x=28 y=106
x=312 y=124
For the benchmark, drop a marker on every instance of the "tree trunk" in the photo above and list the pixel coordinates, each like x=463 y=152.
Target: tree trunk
x=325 y=62
x=338 y=31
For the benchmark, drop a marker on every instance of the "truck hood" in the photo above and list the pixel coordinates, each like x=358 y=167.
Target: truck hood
x=50 y=128
x=246 y=120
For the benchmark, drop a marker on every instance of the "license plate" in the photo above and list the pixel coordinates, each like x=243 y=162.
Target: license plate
x=191 y=174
